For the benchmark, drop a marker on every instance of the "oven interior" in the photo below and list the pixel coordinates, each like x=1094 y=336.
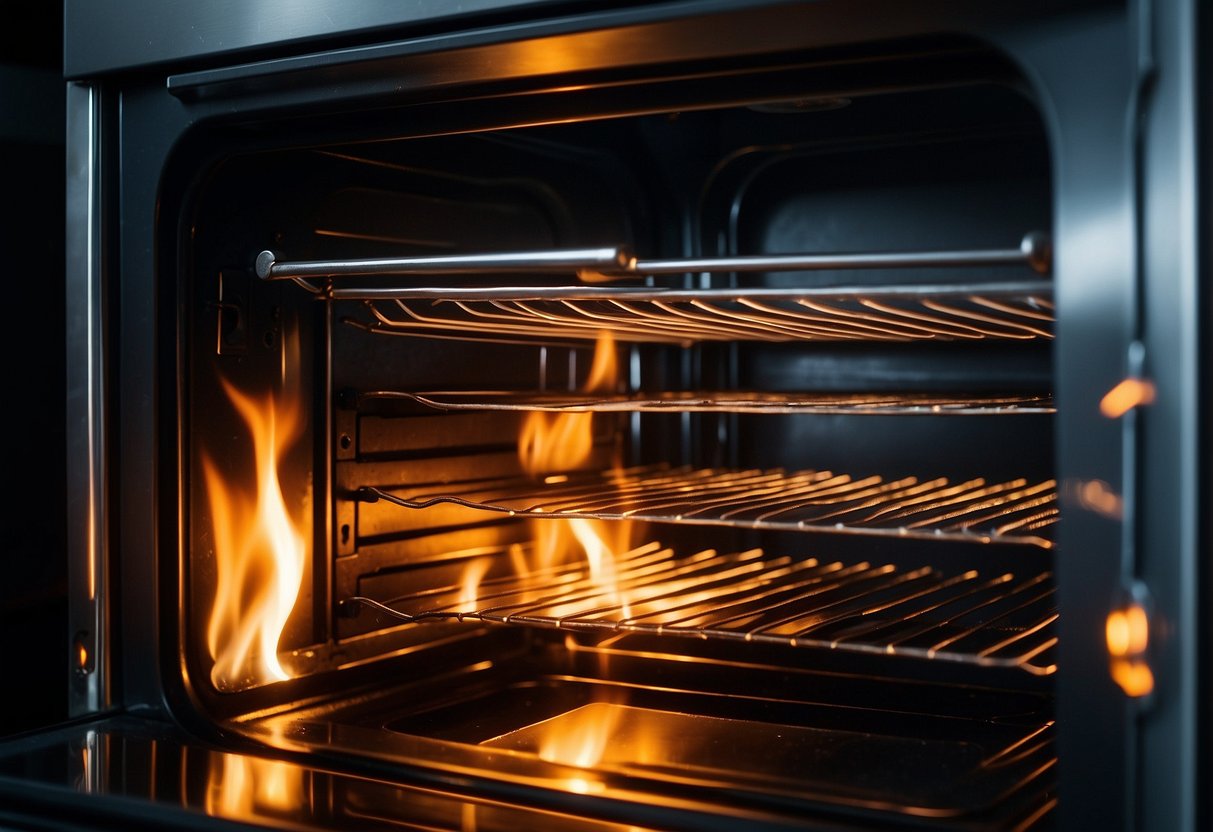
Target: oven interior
x=788 y=550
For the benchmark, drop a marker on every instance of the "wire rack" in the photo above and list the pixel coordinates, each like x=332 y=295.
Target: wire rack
x=994 y=621
x=1014 y=511
x=731 y=402
x=870 y=314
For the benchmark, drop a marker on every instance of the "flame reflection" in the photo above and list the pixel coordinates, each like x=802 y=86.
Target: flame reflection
x=259 y=548
x=249 y=787
x=582 y=737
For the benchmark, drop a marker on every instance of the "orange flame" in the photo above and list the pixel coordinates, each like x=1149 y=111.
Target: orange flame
x=552 y=442
x=259 y=549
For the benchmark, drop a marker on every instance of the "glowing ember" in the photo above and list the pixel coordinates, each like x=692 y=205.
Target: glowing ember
x=259 y=549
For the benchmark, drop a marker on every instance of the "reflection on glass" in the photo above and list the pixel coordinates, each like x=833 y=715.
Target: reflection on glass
x=249 y=787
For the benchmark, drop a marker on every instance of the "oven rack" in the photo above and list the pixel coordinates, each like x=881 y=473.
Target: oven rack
x=907 y=403
x=617 y=262
x=1020 y=311
x=1015 y=511
x=989 y=621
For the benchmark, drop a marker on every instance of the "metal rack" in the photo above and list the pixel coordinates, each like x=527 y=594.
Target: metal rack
x=1014 y=511
x=909 y=403
x=991 y=621
x=1015 y=311
x=1020 y=310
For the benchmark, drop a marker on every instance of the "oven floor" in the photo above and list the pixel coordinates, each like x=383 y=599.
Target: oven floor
x=593 y=719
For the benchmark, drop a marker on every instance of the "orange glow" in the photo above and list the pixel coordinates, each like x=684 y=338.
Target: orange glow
x=1128 y=635
x=472 y=575
x=1128 y=631
x=1125 y=396
x=248 y=787
x=1134 y=677
x=564 y=441
x=1098 y=496
x=548 y=444
x=553 y=442
x=81 y=656
x=259 y=548
x=582 y=737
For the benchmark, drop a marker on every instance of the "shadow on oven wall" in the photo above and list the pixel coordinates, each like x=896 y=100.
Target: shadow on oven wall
x=33 y=592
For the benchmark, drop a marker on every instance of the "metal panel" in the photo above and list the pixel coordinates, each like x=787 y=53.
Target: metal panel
x=1084 y=72
x=86 y=406
x=1169 y=512
x=105 y=35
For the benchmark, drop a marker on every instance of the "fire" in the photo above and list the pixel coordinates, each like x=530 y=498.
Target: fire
x=548 y=444
x=472 y=576
x=553 y=442
x=259 y=549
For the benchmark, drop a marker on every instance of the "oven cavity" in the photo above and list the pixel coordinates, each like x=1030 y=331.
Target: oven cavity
x=625 y=440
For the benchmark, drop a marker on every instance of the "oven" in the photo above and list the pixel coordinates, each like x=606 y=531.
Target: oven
x=678 y=415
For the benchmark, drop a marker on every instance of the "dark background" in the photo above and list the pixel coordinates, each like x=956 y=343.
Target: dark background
x=33 y=560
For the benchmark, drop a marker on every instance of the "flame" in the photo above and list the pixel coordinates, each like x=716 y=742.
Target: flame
x=473 y=573
x=245 y=787
x=259 y=549
x=554 y=442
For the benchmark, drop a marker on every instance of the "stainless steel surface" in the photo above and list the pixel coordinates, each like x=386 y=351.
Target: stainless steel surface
x=1175 y=466
x=887 y=313
x=1015 y=511
x=1033 y=251
x=137 y=774
x=112 y=34
x=87 y=457
x=559 y=260
x=984 y=620
x=977 y=404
